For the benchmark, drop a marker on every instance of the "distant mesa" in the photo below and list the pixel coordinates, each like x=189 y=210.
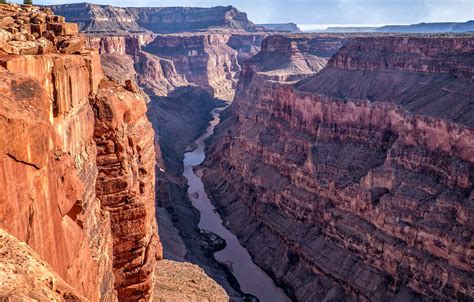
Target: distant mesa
x=93 y=18
x=443 y=27
x=284 y=27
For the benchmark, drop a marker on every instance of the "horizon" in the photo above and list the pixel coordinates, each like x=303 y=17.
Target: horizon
x=321 y=12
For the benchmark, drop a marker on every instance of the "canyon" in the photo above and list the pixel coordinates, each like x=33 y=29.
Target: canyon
x=356 y=181
x=342 y=167
x=78 y=163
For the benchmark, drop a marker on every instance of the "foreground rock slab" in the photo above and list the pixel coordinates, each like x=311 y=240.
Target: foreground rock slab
x=185 y=282
x=24 y=276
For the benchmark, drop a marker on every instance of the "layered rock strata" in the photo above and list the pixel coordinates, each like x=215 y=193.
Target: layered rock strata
x=292 y=57
x=161 y=63
x=203 y=59
x=123 y=59
x=422 y=75
x=48 y=167
x=95 y=19
x=88 y=213
x=357 y=180
x=126 y=186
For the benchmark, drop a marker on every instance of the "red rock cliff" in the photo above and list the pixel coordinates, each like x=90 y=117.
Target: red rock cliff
x=54 y=185
x=126 y=186
x=358 y=190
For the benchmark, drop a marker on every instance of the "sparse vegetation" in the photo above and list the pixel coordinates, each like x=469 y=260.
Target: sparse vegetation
x=28 y=2
x=3 y=2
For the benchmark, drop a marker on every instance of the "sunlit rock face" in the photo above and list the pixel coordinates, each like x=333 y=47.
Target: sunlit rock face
x=59 y=195
x=94 y=18
x=48 y=161
x=126 y=186
x=357 y=180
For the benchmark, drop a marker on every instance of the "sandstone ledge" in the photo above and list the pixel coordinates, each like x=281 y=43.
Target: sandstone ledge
x=182 y=281
x=25 y=276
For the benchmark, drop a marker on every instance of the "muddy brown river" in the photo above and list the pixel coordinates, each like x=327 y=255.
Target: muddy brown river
x=251 y=278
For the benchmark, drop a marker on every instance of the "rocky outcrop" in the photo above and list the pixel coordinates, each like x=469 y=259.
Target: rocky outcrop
x=126 y=186
x=95 y=19
x=28 y=30
x=90 y=218
x=171 y=276
x=358 y=179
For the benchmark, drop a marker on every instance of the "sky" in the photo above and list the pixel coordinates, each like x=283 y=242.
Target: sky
x=358 y=12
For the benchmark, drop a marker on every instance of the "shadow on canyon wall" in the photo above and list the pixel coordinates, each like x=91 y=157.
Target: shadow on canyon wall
x=178 y=119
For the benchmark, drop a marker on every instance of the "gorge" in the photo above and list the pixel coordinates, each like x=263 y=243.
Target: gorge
x=348 y=175
x=250 y=277
x=187 y=154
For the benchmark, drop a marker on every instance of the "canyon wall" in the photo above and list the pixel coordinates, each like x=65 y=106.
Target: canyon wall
x=181 y=74
x=203 y=59
x=356 y=182
x=246 y=44
x=77 y=165
x=292 y=57
x=95 y=19
x=161 y=63
x=123 y=59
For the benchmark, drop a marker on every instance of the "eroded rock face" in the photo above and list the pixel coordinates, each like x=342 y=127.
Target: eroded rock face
x=94 y=18
x=48 y=168
x=422 y=75
x=359 y=187
x=160 y=64
x=292 y=57
x=120 y=45
x=157 y=76
x=126 y=186
x=91 y=219
x=123 y=59
x=246 y=44
x=203 y=59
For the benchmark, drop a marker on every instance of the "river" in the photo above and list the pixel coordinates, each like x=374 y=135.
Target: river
x=252 y=279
